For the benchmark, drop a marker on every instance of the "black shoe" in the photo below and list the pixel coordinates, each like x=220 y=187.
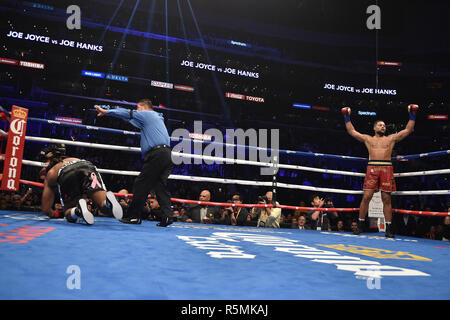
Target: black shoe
x=360 y=228
x=389 y=233
x=131 y=220
x=165 y=222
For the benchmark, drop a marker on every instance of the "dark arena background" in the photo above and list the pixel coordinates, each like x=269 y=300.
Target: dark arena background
x=281 y=69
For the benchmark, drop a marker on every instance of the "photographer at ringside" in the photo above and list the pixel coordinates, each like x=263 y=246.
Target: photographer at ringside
x=267 y=217
x=332 y=216
x=319 y=219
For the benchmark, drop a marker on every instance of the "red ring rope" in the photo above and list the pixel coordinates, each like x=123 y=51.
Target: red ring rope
x=221 y=204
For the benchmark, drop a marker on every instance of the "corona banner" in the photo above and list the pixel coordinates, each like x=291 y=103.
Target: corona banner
x=14 y=149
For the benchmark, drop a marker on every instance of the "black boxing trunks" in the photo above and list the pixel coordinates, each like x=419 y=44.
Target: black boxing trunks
x=76 y=178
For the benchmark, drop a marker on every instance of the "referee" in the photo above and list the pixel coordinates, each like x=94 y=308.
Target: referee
x=155 y=147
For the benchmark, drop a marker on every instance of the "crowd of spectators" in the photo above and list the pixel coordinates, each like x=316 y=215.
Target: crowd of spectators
x=307 y=218
x=310 y=139
x=20 y=201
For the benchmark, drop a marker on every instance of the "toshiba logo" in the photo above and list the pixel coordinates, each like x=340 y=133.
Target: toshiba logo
x=31 y=64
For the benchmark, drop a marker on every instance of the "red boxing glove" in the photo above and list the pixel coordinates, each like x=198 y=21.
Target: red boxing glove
x=3 y=116
x=57 y=214
x=413 y=108
x=346 y=111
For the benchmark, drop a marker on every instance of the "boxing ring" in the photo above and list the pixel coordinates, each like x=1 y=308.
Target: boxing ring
x=42 y=258
x=188 y=261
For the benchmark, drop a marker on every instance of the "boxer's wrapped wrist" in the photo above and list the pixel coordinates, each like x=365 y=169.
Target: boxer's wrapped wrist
x=58 y=214
x=347 y=119
x=412 y=109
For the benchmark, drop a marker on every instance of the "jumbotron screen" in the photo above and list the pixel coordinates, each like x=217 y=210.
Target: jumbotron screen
x=127 y=50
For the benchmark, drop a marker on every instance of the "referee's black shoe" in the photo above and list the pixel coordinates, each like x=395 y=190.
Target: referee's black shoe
x=131 y=220
x=165 y=221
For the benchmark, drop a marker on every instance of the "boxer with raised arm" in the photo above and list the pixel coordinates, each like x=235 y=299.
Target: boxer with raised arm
x=380 y=173
x=157 y=155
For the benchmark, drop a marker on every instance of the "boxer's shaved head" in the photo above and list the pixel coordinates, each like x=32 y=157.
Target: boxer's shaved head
x=379 y=127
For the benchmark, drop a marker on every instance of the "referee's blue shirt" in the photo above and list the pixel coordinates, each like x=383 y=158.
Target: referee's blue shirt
x=151 y=124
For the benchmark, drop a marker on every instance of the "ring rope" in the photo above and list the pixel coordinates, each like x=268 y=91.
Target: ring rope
x=228 y=160
x=215 y=180
x=132 y=149
x=221 y=204
x=87 y=127
x=254 y=183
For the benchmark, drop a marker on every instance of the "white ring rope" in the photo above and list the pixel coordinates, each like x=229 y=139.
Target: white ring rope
x=253 y=183
x=84 y=144
x=422 y=173
x=229 y=160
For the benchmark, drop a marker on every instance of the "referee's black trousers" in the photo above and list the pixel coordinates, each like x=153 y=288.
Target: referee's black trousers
x=153 y=177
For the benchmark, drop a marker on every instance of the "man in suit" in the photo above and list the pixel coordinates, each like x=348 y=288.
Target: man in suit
x=302 y=223
x=405 y=225
x=200 y=213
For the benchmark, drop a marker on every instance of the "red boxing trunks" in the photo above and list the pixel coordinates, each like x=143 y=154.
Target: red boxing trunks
x=380 y=176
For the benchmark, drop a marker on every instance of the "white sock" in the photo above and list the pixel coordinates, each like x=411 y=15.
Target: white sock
x=72 y=213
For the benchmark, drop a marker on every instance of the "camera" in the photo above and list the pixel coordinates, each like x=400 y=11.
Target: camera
x=328 y=203
x=228 y=208
x=263 y=199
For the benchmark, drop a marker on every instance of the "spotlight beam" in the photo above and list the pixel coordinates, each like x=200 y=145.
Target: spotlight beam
x=226 y=111
x=117 y=53
x=188 y=50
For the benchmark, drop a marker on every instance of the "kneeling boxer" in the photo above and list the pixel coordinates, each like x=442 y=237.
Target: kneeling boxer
x=74 y=179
